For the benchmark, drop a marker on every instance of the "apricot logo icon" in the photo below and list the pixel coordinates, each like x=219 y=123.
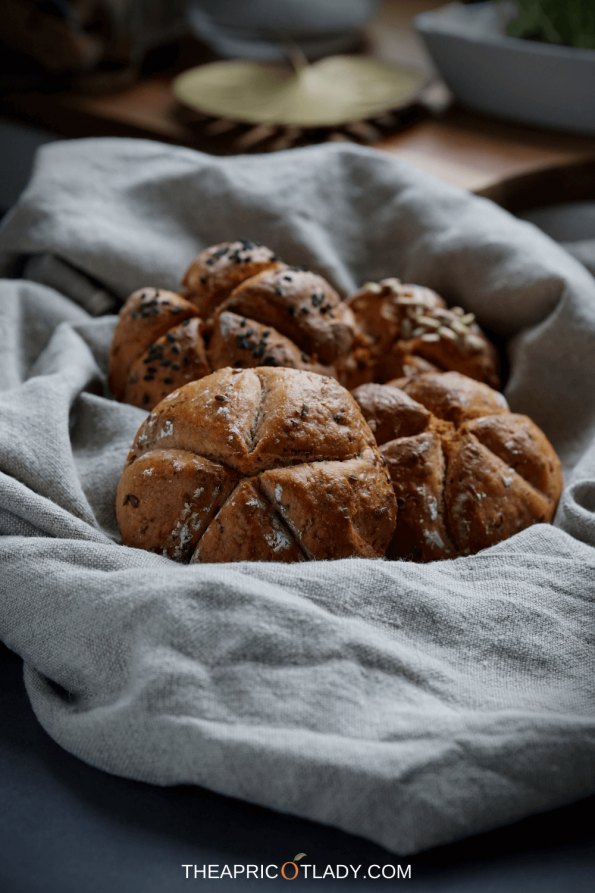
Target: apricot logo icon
x=296 y=859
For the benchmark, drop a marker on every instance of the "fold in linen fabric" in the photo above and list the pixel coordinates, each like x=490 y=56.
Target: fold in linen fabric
x=411 y=704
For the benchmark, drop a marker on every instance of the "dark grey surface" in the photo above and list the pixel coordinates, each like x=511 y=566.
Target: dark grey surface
x=68 y=828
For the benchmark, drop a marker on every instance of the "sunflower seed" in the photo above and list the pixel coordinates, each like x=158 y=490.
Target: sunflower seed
x=428 y=321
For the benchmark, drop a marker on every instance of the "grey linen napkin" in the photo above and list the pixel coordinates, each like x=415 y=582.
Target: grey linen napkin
x=409 y=704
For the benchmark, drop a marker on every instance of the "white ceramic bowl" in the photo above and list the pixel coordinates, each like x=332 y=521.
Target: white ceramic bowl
x=522 y=80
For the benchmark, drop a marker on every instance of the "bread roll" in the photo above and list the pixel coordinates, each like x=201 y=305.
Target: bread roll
x=408 y=330
x=216 y=271
x=244 y=343
x=147 y=316
x=466 y=472
x=265 y=464
x=300 y=305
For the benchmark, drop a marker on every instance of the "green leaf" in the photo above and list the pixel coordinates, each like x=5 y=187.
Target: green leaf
x=567 y=22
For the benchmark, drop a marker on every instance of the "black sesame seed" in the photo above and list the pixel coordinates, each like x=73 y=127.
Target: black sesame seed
x=278 y=290
x=317 y=300
x=175 y=309
x=258 y=353
x=134 y=314
x=165 y=363
x=400 y=502
x=238 y=363
x=175 y=348
x=186 y=361
x=249 y=332
x=168 y=381
x=186 y=322
x=305 y=309
x=243 y=322
x=151 y=369
x=305 y=358
x=145 y=399
x=203 y=279
x=133 y=500
x=266 y=333
x=166 y=303
x=291 y=310
x=170 y=337
x=211 y=261
x=148 y=378
x=304 y=268
x=288 y=278
x=176 y=366
x=270 y=361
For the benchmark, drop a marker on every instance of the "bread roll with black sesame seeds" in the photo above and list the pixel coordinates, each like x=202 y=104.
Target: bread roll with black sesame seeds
x=264 y=464
x=172 y=361
x=466 y=472
x=216 y=271
x=145 y=317
x=302 y=306
x=244 y=343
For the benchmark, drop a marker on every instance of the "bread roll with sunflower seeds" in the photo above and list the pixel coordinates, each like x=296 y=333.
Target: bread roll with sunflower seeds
x=408 y=330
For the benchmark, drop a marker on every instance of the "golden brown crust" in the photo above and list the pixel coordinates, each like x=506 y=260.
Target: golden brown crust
x=311 y=481
x=300 y=305
x=390 y=412
x=167 y=499
x=518 y=442
x=216 y=271
x=172 y=361
x=247 y=529
x=473 y=477
x=147 y=315
x=244 y=343
x=455 y=397
x=212 y=417
x=417 y=469
x=486 y=501
x=335 y=509
x=397 y=322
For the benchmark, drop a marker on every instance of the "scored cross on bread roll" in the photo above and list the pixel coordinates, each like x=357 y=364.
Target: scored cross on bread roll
x=260 y=464
x=467 y=473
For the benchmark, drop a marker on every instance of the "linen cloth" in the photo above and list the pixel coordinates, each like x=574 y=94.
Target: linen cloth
x=411 y=704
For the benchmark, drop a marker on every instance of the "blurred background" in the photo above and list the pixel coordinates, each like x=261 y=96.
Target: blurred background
x=496 y=96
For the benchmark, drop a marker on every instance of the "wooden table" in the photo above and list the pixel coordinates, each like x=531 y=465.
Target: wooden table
x=459 y=146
